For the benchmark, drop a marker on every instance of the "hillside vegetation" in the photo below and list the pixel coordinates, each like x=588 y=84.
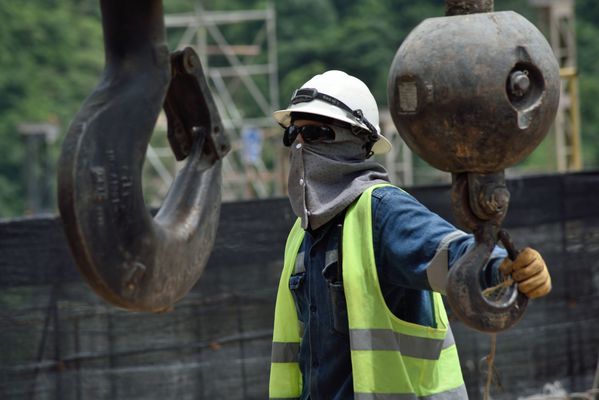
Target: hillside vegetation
x=52 y=57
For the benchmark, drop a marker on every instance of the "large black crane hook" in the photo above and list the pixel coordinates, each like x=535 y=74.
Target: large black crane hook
x=128 y=257
x=473 y=93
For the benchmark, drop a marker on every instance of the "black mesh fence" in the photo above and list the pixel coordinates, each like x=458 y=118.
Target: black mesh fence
x=59 y=341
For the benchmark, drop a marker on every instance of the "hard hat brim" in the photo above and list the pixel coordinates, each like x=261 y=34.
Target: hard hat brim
x=382 y=146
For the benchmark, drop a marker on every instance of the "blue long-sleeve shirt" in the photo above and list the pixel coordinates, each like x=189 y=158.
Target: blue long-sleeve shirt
x=413 y=249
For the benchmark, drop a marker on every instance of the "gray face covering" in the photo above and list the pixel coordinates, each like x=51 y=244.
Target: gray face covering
x=326 y=177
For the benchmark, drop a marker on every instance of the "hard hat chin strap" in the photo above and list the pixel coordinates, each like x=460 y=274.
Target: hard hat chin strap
x=306 y=95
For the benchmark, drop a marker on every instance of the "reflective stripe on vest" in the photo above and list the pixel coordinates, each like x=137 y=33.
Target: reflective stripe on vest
x=388 y=340
x=284 y=352
x=458 y=393
x=283 y=398
x=391 y=359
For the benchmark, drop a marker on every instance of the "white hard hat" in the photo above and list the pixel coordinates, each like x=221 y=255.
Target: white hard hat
x=335 y=94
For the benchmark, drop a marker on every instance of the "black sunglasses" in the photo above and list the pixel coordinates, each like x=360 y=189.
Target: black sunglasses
x=310 y=134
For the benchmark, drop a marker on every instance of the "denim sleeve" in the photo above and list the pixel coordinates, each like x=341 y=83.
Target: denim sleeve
x=414 y=247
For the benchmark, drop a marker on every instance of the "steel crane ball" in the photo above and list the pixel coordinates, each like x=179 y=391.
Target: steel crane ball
x=472 y=95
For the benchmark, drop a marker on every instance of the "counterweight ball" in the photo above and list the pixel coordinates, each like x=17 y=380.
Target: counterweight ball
x=474 y=93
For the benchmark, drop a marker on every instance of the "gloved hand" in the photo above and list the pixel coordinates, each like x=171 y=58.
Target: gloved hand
x=530 y=272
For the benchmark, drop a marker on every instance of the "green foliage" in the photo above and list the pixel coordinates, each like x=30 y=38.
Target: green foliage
x=588 y=58
x=358 y=36
x=52 y=57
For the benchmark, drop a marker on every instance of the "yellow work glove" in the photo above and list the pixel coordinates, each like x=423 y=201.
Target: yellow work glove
x=529 y=271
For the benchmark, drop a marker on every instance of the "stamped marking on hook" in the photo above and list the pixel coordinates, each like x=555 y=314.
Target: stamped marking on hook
x=99 y=179
x=113 y=187
x=100 y=191
x=119 y=186
x=134 y=272
x=126 y=183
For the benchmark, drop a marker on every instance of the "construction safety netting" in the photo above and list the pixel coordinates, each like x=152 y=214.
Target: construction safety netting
x=59 y=341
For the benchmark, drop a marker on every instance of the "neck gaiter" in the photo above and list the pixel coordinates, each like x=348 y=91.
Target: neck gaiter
x=326 y=177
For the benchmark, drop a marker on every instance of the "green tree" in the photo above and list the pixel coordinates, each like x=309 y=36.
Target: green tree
x=53 y=56
x=48 y=64
x=587 y=30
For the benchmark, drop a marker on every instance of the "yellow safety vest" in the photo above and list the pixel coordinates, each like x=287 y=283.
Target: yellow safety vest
x=391 y=359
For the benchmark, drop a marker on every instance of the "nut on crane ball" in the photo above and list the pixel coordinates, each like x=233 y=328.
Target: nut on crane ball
x=474 y=93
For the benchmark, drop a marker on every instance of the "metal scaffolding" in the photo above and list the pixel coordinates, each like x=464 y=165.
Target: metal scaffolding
x=244 y=80
x=556 y=19
x=38 y=181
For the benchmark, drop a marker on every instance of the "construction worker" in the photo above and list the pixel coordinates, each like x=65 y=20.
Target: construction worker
x=359 y=313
